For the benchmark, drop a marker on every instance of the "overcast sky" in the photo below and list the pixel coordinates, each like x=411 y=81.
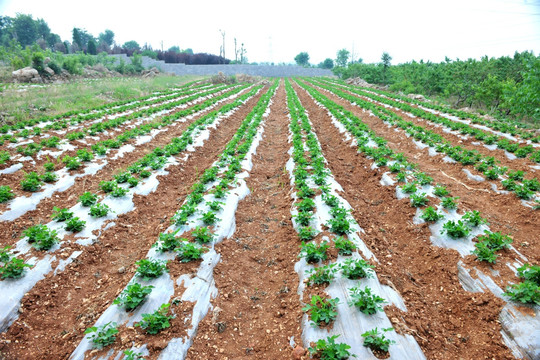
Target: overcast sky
x=277 y=30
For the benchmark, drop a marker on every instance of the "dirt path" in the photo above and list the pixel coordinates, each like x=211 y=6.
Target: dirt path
x=447 y=321
x=257 y=310
x=55 y=313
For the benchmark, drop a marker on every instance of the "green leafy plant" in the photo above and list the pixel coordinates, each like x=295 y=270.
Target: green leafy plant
x=167 y=242
x=330 y=200
x=49 y=177
x=376 y=341
x=455 y=229
x=157 y=321
x=209 y=218
x=306 y=233
x=119 y=191
x=339 y=224
x=329 y=350
x=495 y=240
x=72 y=163
x=431 y=215
x=48 y=166
x=215 y=205
x=509 y=184
x=365 y=300
x=418 y=200
x=122 y=177
x=41 y=237
x=85 y=155
x=202 y=235
x=75 y=224
x=516 y=175
x=441 y=191
x=526 y=292
x=6 y=193
x=31 y=182
x=321 y=275
x=409 y=188
x=305 y=205
x=132 y=296
x=61 y=214
x=99 y=210
x=313 y=252
x=356 y=268
x=321 y=311
x=187 y=252
x=132 y=355
x=132 y=181
x=13 y=268
x=88 y=199
x=523 y=192
x=532 y=184
x=102 y=336
x=344 y=246
x=473 y=218
x=449 y=203
x=484 y=253
x=4 y=254
x=150 y=269
x=530 y=273
x=108 y=186
x=145 y=173
x=303 y=217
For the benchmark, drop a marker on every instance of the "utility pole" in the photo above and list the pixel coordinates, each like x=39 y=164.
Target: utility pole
x=235 y=52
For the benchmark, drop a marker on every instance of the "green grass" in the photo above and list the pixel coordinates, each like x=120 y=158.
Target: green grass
x=24 y=101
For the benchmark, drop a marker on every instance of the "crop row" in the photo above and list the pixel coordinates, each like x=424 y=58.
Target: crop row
x=34 y=181
x=57 y=122
x=361 y=314
x=91 y=214
x=509 y=127
x=217 y=193
x=34 y=147
x=484 y=164
x=449 y=229
x=488 y=139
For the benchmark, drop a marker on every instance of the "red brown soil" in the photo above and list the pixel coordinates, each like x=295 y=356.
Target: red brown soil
x=447 y=321
x=259 y=308
x=55 y=313
x=70 y=197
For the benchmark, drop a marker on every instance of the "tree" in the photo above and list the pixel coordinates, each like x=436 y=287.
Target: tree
x=25 y=29
x=342 y=57
x=92 y=47
x=107 y=37
x=175 y=49
x=327 y=63
x=385 y=58
x=302 y=59
x=81 y=38
x=131 y=45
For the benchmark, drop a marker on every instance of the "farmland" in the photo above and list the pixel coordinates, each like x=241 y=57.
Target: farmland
x=289 y=218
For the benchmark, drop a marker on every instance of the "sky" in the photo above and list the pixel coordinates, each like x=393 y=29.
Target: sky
x=276 y=31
